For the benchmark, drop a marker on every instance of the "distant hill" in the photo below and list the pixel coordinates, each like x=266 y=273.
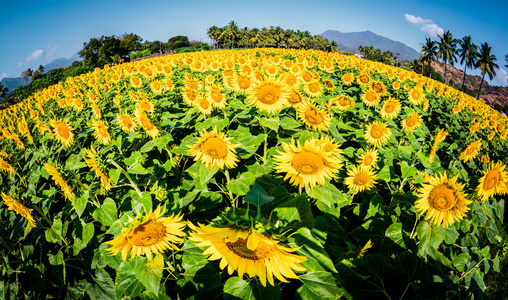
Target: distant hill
x=13 y=83
x=349 y=41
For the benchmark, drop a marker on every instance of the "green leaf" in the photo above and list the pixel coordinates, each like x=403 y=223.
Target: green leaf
x=460 y=261
x=495 y=263
x=430 y=237
x=88 y=232
x=106 y=213
x=204 y=176
x=479 y=218
x=375 y=204
x=237 y=288
x=318 y=285
x=387 y=173
x=102 y=288
x=272 y=123
x=54 y=234
x=330 y=199
x=147 y=146
x=257 y=196
x=126 y=282
x=137 y=168
x=493 y=234
x=149 y=272
x=80 y=202
x=288 y=123
x=407 y=171
x=312 y=249
x=394 y=233
x=296 y=212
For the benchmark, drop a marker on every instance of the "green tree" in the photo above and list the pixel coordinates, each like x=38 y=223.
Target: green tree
x=130 y=42
x=230 y=32
x=100 y=51
x=429 y=53
x=447 y=50
x=213 y=34
x=178 y=41
x=487 y=64
x=3 y=91
x=468 y=53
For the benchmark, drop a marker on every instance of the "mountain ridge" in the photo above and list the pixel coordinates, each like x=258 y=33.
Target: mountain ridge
x=349 y=41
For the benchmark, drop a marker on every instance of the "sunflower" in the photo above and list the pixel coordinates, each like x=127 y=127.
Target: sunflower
x=306 y=165
x=14 y=205
x=214 y=149
x=101 y=133
x=442 y=200
x=328 y=144
x=126 y=122
x=471 y=151
x=313 y=117
x=242 y=84
x=377 y=134
x=360 y=178
x=59 y=180
x=343 y=102
x=248 y=252
x=485 y=159
x=416 y=95
x=295 y=99
x=363 y=79
x=370 y=98
x=144 y=121
x=348 y=78
x=96 y=111
x=203 y=105
x=189 y=96
x=412 y=122
x=493 y=182
x=152 y=233
x=62 y=132
x=391 y=109
x=135 y=82
x=379 y=88
x=215 y=97
x=313 y=89
x=369 y=158
x=5 y=166
x=269 y=95
x=156 y=87
x=96 y=164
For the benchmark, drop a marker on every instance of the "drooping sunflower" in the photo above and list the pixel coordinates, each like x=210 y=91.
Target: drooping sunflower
x=328 y=144
x=19 y=208
x=379 y=88
x=370 y=98
x=306 y=165
x=485 y=159
x=269 y=95
x=100 y=132
x=314 y=117
x=152 y=233
x=96 y=111
x=248 y=252
x=391 y=109
x=126 y=122
x=413 y=121
x=377 y=134
x=5 y=166
x=62 y=131
x=369 y=158
x=493 y=182
x=60 y=181
x=144 y=121
x=471 y=151
x=214 y=149
x=96 y=164
x=360 y=178
x=442 y=200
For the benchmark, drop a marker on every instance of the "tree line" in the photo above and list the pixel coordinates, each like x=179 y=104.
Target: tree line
x=450 y=50
x=232 y=36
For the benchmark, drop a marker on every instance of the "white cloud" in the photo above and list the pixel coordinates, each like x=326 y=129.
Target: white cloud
x=35 y=55
x=501 y=77
x=426 y=25
x=38 y=54
x=51 y=50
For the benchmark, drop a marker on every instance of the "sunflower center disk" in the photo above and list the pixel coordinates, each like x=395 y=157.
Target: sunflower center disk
x=442 y=197
x=216 y=96
x=191 y=95
x=411 y=121
x=268 y=94
x=314 y=87
x=243 y=83
x=148 y=234
x=376 y=132
x=367 y=160
x=204 y=104
x=240 y=248
x=215 y=148
x=361 y=179
x=343 y=101
x=313 y=116
x=307 y=163
x=491 y=180
x=103 y=131
x=63 y=131
x=389 y=108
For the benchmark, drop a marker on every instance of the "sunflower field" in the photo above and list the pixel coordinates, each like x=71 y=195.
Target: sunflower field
x=251 y=174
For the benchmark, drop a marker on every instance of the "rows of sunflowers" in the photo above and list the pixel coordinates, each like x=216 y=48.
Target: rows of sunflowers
x=302 y=173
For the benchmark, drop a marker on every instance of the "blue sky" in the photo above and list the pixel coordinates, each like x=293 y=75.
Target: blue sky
x=34 y=33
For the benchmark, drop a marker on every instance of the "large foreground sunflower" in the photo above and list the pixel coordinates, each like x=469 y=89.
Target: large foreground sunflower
x=493 y=182
x=308 y=164
x=152 y=233
x=14 y=205
x=214 y=149
x=442 y=200
x=248 y=252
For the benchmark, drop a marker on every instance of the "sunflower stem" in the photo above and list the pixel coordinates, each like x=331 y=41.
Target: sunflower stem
x=41 y=213
x=265 y=145
x=226 y=173
x=133 y=184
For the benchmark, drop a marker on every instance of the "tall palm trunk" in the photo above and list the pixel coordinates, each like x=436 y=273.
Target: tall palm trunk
x=445 y=79
x=464 y=80
x=480 y=89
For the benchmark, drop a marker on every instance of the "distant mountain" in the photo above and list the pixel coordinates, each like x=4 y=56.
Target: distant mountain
x=13 y=83
x=349 y=41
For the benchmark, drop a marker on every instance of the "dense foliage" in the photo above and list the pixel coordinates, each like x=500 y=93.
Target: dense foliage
x=252 y=174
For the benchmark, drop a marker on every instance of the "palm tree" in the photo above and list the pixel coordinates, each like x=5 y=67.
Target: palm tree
x=231 y=32
x=212 y=33
x=447 y=50
x=3 y=91
x=429 y=53
x=487 y=63
x=468 y=53
x=256 y=36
